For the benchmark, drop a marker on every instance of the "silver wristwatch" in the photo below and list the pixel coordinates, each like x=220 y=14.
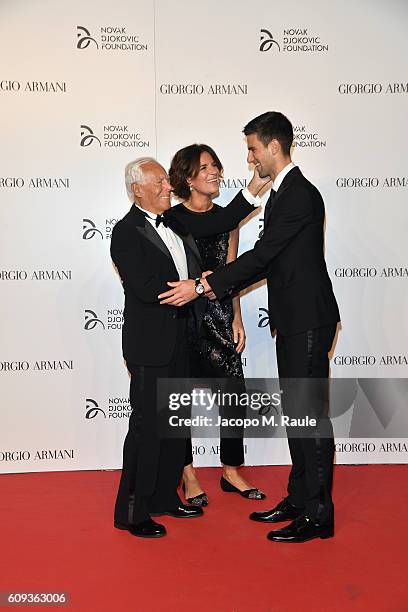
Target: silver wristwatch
x=199 y=287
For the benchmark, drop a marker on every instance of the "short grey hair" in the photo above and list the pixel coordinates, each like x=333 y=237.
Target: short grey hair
x=135 y=174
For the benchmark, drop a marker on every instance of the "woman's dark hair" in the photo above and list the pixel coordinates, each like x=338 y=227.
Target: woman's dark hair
x=186 y=164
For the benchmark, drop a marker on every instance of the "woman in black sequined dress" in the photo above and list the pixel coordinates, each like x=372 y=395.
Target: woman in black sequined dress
x=215 y=352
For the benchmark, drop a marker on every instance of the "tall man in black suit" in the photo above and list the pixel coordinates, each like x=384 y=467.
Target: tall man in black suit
x=304 y=312
x=149 y=246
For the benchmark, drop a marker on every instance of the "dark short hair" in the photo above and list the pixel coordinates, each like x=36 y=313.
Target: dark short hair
x=272 y=125
x=186 y=164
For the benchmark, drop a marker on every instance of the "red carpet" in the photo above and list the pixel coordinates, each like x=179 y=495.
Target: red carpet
x=57 y=535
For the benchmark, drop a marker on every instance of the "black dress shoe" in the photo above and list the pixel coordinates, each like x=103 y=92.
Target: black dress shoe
x=284 y=511
x=198 y=500
x=301 y=530
x=144 y=529
x=248 y=493
x=182 y=511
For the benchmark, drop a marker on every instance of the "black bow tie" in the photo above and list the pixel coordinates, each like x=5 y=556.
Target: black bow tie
x=169 y=220
x=161 y=219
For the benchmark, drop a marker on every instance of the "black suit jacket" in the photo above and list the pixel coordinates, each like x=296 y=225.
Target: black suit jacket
x=290 y=255
x=145 y=265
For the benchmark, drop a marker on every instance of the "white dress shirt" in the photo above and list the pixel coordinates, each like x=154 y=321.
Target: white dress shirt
x=278 y=180
x=173 y=242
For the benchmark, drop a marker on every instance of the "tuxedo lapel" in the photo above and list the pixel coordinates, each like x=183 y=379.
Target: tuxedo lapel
x=195 y=268
x=193 y=256
x=147 y=230
x=139 y=221
x=150 y=233
x=287 y=181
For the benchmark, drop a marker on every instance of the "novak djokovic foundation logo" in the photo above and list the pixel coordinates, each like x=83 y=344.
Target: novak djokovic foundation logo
x=46 y=87
x=92 y=320
x=90 y=230
x=111 y=408
x=109 y=38
x=267 y=41
x=112 y=136
x=263 y=317
x=38 y=182
x=303 y=136
x=113 y=320
x=88 y=137
x=291 y=40
x=261 y=226
x=359 y=89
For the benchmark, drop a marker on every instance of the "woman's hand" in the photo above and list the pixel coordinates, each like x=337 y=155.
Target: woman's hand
x=238 y=332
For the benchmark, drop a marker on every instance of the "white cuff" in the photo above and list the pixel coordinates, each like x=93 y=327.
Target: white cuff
x=251 y=199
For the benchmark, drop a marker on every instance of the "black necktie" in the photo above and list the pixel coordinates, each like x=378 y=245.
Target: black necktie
x=269 y=206
x=267 y=211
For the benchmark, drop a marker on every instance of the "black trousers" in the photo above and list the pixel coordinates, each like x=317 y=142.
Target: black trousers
x=303 y=357
x=231 y=438
x=152 y=466
x=231 y=445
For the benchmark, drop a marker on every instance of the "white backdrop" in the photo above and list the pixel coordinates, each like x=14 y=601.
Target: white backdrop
x=87 y=87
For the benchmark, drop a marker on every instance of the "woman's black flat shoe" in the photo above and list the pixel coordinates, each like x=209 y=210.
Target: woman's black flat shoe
x=199 y=500
x=248 y=493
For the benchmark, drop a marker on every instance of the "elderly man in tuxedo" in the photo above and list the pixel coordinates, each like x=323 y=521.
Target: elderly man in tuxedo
x=146 y=252
x=304 y=313
x=149 y=246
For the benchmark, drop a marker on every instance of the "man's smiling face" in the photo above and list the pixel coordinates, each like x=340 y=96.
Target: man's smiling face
x=154 y=192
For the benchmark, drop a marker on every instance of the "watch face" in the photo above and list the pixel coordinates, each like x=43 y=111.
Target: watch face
x=200 y=289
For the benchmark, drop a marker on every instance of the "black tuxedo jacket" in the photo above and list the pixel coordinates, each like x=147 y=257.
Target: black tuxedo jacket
x=145 y=265
x=290 y=255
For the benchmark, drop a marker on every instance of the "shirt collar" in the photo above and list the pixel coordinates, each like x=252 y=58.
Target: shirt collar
x=150 y=215
x=278 y=180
